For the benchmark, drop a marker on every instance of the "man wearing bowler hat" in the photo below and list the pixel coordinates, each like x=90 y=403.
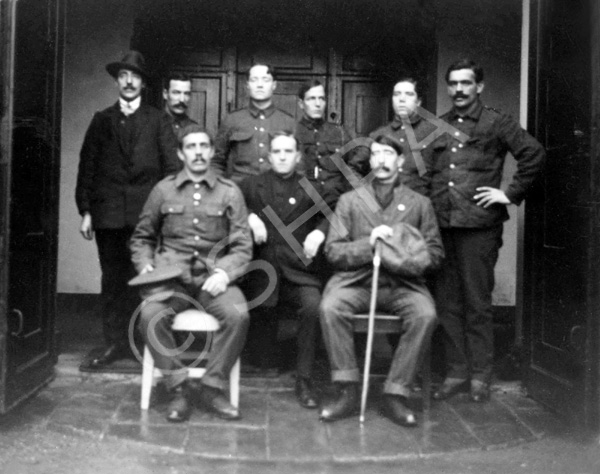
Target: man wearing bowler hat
x=127 y=149
x=404 y=222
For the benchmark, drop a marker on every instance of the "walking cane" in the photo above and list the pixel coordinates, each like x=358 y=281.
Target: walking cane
x=370 y=330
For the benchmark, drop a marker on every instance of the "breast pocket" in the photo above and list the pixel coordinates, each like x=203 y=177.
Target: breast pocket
x=241 y=142
x=173 y=220
x=214 y=223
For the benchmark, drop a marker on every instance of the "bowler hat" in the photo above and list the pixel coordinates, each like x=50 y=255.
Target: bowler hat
x=405 y=252
x=158 y=275
x=132 y=61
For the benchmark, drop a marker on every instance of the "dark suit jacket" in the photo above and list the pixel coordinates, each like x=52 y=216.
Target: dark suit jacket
x=113 y=182
x=283 y=249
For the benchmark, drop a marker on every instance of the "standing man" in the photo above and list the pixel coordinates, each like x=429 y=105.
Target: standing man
x=406 y=99
x=242 y=144
x=177 y=92
x=319 y=140
x=127 y=149
x=471 y=207
x=405 y=223
x=276 y=200
x=186 y=218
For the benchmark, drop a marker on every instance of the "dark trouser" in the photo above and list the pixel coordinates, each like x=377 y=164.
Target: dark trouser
x=419 y=320
x=304 y=300
x=463 y=293
x=229 y=308
x=118 y=301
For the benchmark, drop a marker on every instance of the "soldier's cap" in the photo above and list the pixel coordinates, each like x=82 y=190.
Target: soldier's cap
x=158 y=275
x=132 y=61
x=405 y=253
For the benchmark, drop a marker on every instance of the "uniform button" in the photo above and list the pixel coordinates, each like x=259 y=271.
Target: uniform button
x=197 y=186
x=319 y=156
x=460 y=120
x=262 y=117
x=424 y=146
x=451 y=183
x=318 y=143
x=402 y=140
x=196 y=237
x=260 y=160
x=337 y=149
x=196 y=196
x=261 y=145
x=452 y=166
x=220 y=213
x=401 y=207
x=195 y=221
x=261 y=129
x=170 y=209
x=456 y=134
x=453 y=149
x=460 y=145
x=255 y=128
x=402 y=127
x=196 y=203
x=196 y=253
x=322 y=182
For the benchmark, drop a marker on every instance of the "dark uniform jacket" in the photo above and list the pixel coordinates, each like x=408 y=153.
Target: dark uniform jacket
x=318 y=141
x=349 y=250
x=410 y=175
x=242 y=143
x=459 y=168
x=115 y=177
x=178 y=122
x=290 y=205
x=196 y=226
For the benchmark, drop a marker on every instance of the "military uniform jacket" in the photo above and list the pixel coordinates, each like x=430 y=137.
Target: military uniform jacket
x=196 y=226
x=114 y=179
x=259 y=194
x=318 y=141
x=457 y=168
x=242 y=143
x=349 y=250
x=410 y=175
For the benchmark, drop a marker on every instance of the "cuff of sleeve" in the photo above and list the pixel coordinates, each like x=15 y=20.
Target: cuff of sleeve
x=220 y=270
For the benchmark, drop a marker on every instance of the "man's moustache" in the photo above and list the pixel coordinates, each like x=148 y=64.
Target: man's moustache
x=459 y=96
x=182 y=105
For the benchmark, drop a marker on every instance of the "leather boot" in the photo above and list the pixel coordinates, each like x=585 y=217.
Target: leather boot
x=344 y=405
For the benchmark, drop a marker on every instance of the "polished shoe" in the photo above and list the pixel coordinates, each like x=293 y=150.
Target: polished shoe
x=396 y=409
x=345 y=404
x=449 y=388
x=109 y=355
x=215 y=401
x=480 y=392
x=305 y=394
x=180 y=408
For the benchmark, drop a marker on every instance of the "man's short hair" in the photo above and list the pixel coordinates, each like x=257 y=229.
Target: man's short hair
x=466 y=63
x=270 y=70
x=283 y=133
x=391 y=142
x=192 y=128
x=308 y=85
x=419 y=88
x=175 y=76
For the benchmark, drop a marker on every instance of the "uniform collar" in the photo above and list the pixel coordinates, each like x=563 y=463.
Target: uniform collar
x=397 y=122
x=210 y=178
x=255 y=111
x=474 y=112
x=312 y=123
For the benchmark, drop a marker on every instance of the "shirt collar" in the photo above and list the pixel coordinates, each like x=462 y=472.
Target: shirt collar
x=210 y=178
x=474 y=112
x=131 y=104
x=255 y=111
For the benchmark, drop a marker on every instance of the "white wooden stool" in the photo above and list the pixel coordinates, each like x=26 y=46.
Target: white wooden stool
x=190 y=320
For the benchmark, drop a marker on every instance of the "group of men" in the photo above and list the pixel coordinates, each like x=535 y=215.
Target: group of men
x=294 y=199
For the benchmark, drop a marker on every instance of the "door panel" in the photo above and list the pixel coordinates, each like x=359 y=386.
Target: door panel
x=365 y=106
x=206 y=102
x=30 y=141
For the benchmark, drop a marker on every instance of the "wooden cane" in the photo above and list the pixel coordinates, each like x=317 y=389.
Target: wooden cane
x=370 y=330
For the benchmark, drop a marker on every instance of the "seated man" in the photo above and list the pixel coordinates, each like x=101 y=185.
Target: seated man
x=276 y=201
x=187 y=217
x=387 y=211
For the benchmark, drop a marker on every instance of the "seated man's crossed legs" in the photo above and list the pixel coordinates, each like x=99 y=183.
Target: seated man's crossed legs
x=160 y=305
x=419 y=320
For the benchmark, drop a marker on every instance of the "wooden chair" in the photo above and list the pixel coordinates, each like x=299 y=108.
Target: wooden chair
x=190 y=320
